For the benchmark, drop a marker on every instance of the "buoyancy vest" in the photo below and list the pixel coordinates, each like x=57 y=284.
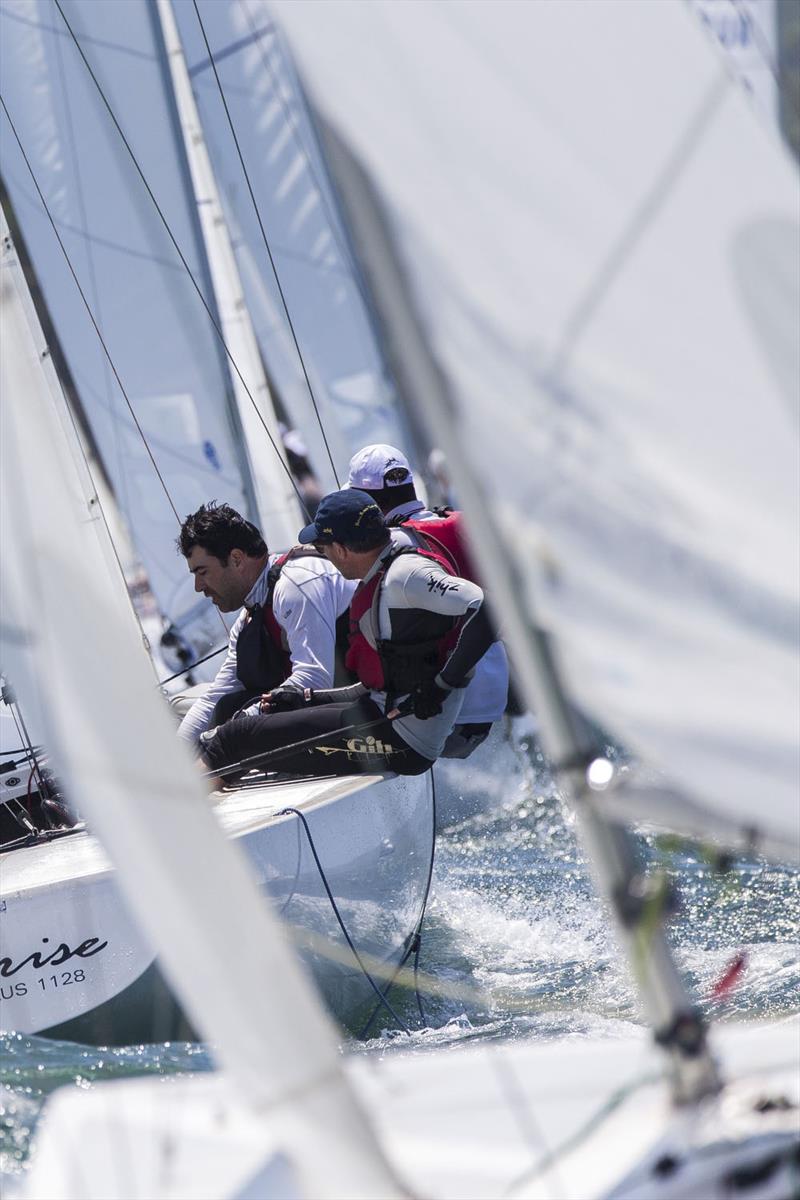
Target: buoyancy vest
x=263 y=660
x=393 y=666
x=444 y=536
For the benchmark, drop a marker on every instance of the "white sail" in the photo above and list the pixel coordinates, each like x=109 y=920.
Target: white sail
x=353 y=398
x=159 y=337
x=746 y=30
x=607 y=273
x=115 y=748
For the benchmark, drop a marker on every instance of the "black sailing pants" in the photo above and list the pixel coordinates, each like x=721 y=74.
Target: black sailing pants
x=335 y=750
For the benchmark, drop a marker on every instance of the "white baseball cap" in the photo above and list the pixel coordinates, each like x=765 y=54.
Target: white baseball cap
x=370 y=466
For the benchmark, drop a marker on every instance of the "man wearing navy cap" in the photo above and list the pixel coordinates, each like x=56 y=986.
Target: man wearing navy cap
x=416 y=632
x=385 y=473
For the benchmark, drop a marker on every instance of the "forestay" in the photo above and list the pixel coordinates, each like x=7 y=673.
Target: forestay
x=606 y=269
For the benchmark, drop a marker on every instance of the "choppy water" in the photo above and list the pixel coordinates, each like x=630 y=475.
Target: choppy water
x=514 y=925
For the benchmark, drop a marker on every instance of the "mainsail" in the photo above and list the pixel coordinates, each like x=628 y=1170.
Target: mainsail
x=610 y=265
x=172 y=440
x=309 y=311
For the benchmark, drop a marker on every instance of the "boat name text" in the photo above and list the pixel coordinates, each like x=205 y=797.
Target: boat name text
x=62 y=954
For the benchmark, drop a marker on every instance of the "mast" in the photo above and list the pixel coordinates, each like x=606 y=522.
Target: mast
x=278 y=508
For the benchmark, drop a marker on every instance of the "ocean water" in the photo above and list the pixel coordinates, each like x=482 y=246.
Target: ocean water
x=515 y=944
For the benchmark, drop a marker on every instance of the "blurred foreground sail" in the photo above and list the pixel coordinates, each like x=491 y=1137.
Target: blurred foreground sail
x=72 y=650
x=606 y=276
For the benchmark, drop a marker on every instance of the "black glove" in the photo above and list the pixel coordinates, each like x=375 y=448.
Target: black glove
x=427 y=699
x=285 y=699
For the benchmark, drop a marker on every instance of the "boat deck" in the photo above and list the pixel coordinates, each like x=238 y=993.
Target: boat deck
x=240 y=811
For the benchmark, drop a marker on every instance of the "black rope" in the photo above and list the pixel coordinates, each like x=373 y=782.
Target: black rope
x=25 y=751
x=182 y=257
x=197 y=663
x=418 y=937
x=415 y=941
x=385 y=992
x=381 y=997
x=266 y=241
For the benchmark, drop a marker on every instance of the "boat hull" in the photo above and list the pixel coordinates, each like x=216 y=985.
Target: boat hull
x=74 y=966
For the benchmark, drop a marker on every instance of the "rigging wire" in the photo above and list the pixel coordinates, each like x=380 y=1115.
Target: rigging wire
x=381 y=996
x=24 y=737
x=293 y=124
x=349 y=266
x=88 y=307
x=90 y=257
x=340 y=231
x=266 y=242
x=415 y=941
x=107 y=353
x=66 y=388
x=197 y=663
x=181 y=255
x=255 y=35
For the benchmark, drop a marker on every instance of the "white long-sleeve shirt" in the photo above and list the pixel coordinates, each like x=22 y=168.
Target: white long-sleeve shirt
x=308 y=598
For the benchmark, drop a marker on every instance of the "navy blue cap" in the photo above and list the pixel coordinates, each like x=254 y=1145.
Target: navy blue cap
x=349 y=516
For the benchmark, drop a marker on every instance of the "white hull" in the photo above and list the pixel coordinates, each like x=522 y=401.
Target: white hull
x=74 y=964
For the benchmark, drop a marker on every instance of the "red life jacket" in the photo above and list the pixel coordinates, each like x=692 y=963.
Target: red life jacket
x=391 y=667
x=445 y=536
x=263 y=660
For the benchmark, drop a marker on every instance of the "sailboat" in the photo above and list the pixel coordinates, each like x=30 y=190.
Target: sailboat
x=347 y=860
x=627 y=286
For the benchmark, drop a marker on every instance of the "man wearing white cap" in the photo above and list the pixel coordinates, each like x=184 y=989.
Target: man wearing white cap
x=385 y=474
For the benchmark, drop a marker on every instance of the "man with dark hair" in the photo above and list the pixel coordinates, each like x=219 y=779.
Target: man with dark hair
x=384 y=473
x=285 y=635
x=416 y=632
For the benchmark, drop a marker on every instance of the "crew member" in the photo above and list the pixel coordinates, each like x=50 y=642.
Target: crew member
x=286 y=632
x=416 y=633
x=384 y=472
